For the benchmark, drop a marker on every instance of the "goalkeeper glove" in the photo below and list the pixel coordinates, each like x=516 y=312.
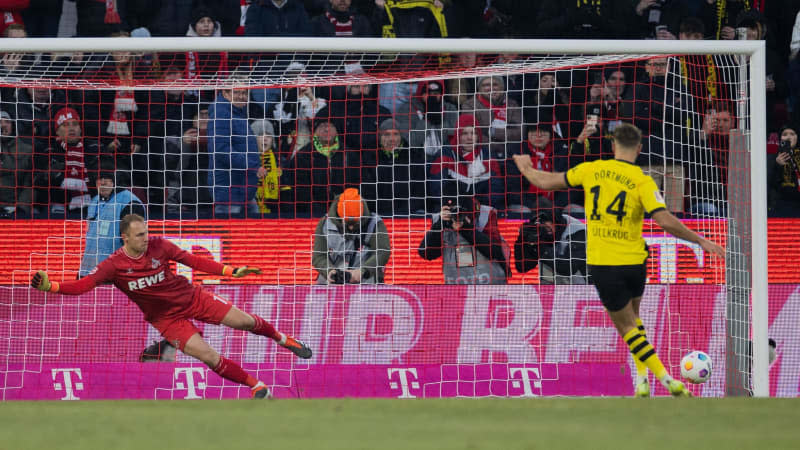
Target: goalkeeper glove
x=41 y=282
x=240 y=272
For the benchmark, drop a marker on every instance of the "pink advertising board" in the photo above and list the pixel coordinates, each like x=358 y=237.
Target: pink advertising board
x=385 y=341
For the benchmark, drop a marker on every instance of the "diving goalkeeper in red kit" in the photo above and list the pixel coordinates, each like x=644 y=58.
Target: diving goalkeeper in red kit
x=140 y=269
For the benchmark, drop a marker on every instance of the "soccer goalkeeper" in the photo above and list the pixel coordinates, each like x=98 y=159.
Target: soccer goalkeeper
x=140 y=269
x=617 y=194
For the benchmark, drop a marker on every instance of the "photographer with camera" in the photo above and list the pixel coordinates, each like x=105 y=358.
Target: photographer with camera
x=351 y=245
x=784 y=176
x=465 y=234
x=556 y=242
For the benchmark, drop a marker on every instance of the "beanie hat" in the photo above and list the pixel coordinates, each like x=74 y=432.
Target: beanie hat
x=64 y=114
x=350 y=205
x=389 y=124
x=200 y=12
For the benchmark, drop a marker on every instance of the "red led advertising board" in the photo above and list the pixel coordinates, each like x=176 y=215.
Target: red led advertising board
x=283 y=249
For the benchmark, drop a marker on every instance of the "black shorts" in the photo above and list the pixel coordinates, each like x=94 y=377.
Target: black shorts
x=617 y=285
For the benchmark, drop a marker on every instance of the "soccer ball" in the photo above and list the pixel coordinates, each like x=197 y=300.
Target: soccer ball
x=696 y=367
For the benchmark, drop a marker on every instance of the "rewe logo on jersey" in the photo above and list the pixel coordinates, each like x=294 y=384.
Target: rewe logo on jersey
x=144 y=282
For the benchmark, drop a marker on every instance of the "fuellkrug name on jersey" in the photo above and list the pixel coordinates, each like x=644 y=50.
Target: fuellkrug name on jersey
x=614 y=176
x=144 y=282
x=610 y=233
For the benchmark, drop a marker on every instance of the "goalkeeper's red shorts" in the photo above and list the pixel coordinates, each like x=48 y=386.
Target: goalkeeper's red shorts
x=206 y=307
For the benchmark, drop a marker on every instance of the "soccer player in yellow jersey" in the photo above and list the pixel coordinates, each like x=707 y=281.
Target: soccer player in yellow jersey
x=617 y=194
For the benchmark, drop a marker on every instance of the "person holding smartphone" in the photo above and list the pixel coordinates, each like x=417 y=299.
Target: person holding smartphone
x=784 y=175
x=591 y=143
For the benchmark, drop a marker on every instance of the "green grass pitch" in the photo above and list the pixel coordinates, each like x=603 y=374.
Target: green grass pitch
x=552 y=423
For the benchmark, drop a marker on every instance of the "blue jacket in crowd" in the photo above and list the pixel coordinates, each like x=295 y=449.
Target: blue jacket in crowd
x=233 y=153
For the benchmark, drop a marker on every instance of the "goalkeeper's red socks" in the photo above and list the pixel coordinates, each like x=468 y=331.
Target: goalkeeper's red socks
x=264 y=328
x=231 y=371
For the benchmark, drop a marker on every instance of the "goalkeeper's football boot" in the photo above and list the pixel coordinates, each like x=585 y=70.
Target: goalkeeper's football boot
x=642 y=389
x=297 y=347
x=678 y=389
x=260 y=391
x=158 y=351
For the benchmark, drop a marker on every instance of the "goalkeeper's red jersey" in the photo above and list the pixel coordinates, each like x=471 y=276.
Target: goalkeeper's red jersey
x=148 y=279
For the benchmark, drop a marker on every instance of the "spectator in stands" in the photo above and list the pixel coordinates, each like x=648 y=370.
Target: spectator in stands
x=691 y=29
x=394 y=176
x=497 y=115
x=105 y=211
x=100 y=19
x=73 y=161
x=556 y=242
x=273 y=194
x=234 y=161
x=544 y=151
x=543 y=100
x=708 y=161
x=351 y=245
x=784 y=175
x=361 y=114
x=617 y=98
x=466 y=236
x=609 y=19
x=430 y=118
x=661 y=156
x=407 y=18
x=660 y=19
x=592 y=143
x=723 y=23
x=171 y=18
x=36 y=108
x=204 y=64
x=461 y=89
x=16 y=159
x=467 y=168
x=322 y=168
x=195 y=192
x=171 y=115
x=277 y=18
x=339 y=19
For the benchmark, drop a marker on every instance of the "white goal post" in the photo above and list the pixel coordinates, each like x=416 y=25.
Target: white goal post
x=756 y=136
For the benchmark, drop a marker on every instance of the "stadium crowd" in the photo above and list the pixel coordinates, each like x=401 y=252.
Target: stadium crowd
x=288 y=152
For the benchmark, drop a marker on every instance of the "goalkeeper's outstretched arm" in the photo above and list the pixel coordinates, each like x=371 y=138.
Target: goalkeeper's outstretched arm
x=207 y=265
x=42 y=282
x=675 y=227
x=539 y=178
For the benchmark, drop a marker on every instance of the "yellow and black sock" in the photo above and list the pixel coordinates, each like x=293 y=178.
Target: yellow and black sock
x=644 y=352
x=641 y=368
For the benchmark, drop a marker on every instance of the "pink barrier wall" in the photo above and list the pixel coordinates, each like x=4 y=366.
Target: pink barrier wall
x=387 y=341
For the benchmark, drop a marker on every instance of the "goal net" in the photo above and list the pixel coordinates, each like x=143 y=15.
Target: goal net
x=238 y=154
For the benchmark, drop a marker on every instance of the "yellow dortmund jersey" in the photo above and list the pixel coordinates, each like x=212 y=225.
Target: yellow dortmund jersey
x=617 y=193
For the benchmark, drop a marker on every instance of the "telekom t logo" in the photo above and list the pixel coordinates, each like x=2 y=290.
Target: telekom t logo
x=67 y=385
x=190 y=386
x=403 y=377
x=529 y=378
